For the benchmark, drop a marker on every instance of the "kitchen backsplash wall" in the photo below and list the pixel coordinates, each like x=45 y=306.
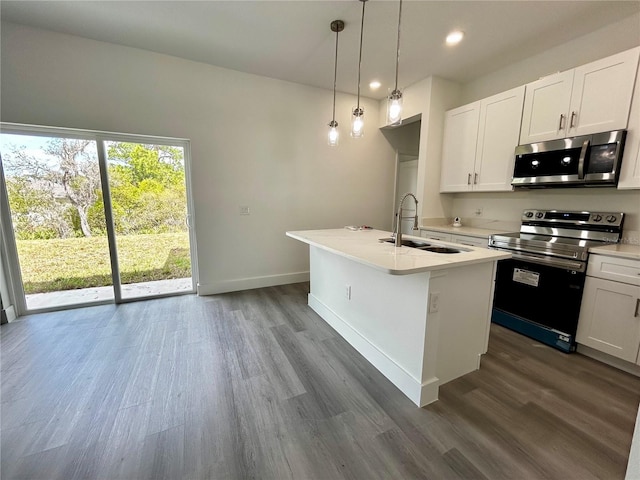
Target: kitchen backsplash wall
x=508 y=206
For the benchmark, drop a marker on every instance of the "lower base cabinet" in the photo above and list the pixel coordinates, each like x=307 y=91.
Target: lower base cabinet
x=435 y=235
x=610 y=318
x=471 y=241
x=461 y=239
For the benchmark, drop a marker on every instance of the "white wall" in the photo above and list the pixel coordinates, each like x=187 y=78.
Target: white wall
x=255 y=141
x=508 y=206
x=601 y=43
x=428 y=100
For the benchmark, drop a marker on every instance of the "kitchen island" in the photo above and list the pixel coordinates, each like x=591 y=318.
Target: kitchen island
x=421 y=318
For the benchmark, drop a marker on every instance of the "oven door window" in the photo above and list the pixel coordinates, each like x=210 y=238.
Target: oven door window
x=549 y=296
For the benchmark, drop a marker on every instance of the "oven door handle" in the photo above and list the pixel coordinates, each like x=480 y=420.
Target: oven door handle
x=582 y=159
x=551 y=261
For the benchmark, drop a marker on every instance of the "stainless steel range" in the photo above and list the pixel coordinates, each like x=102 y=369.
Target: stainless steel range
x=538 y=291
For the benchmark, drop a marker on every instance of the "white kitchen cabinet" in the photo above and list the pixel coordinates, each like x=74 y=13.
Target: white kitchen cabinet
x=589 y=99
x=471 y=241
x=459 y=148
x=435 y=235
x=479 y=143
x=630 y=168
x=544 y=115
x=610 y=312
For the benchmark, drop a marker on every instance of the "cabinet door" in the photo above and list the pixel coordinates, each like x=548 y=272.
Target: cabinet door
x=546 y=105
x=459 y=148
x=601 y=95
x=630 y=169
x=609 y=320
x=498 y=135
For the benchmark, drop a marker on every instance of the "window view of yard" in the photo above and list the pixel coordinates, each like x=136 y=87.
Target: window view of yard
x=69 y=263
x=57 y=211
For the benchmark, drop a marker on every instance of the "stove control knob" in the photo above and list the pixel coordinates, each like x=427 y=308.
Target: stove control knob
x=528 y=214
x=611 y=218
x=539 y=214
x=597 y=218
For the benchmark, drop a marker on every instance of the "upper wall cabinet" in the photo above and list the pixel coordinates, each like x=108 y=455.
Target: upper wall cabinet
x=630 y=169
x=479 y=143
x=589 y=99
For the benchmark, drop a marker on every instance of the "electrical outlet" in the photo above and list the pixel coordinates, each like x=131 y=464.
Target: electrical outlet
x=244 y=210
x=434 y=302
x=347 y=292
x=478 y=212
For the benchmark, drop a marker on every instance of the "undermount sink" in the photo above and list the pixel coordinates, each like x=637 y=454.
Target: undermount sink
x=407 y=243
x=435 y=249
x=424 y=246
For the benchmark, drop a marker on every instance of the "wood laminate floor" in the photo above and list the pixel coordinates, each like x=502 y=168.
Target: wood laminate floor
x=254 y=385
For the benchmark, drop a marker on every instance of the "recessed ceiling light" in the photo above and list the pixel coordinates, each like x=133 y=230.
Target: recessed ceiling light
x=454 y=37
x=374 y=85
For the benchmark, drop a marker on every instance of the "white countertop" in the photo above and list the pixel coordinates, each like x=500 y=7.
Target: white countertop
x=623 y=250
x=363 y=246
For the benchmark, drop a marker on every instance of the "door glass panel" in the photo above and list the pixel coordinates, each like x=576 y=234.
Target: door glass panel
x=55 y=198
x=149 y=204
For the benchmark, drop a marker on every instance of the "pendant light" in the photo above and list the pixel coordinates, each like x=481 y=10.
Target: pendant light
x=357 y=115
x=394 y=101
x=336 y=26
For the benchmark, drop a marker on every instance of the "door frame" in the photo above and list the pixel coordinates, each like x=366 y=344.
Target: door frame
x=100 y=137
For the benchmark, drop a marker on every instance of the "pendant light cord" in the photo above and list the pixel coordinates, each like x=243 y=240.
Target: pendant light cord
x=360 y=58
x=335 y=76
x=398 y=44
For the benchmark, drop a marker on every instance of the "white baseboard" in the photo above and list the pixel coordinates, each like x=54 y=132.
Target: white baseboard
x=420 y=394
x=623 y=365
x=11 y=313
x=251 y=283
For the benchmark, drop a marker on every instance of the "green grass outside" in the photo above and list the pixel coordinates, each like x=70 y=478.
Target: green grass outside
x=70 y=263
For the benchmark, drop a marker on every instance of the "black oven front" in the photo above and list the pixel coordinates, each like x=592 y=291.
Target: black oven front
x=540 y=299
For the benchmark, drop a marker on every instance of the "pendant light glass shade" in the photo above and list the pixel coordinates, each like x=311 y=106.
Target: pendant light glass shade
x=394 y=100
x=357 y=122
x=357 y=114
x=394 y=108
x=334 y=136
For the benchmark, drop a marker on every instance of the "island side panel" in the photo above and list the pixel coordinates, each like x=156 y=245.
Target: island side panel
x=466 y=297
x=385 y=318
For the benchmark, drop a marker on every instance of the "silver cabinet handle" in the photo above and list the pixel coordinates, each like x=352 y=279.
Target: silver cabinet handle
x=561 y=124
x=475 y=178
x=637 y=307
x=572 y=122
x=469 y=179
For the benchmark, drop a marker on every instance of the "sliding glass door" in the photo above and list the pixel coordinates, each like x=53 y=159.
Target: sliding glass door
x=149 y=205
x=94 y=218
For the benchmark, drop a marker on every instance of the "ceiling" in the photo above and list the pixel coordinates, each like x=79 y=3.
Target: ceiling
x=292 y=40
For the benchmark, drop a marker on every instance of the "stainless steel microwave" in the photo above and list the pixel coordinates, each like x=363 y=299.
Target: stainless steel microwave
x=585 y=161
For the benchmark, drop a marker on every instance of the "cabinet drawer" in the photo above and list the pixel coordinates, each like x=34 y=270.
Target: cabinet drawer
x=471 y=241
x=433 y=235
x=613 y=268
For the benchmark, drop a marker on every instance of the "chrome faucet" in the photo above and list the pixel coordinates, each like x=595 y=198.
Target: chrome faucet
x=399 y=218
